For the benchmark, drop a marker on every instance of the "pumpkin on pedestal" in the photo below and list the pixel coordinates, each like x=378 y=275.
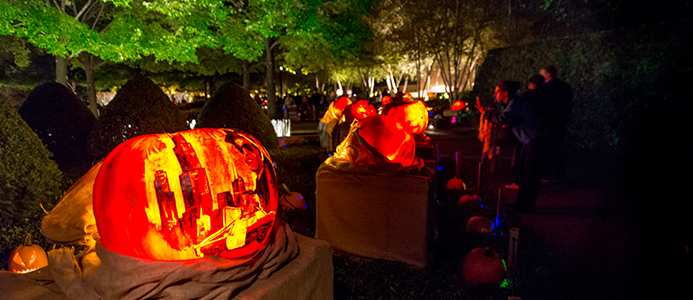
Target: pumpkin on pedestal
x=412 y=115
x=455 y=184
x=388 y=137
x=479 y=225
x=483 y=266
x=27 y=258
x=186 y=195
x=470 y=204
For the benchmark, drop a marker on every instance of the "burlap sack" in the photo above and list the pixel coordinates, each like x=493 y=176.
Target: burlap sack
x=72 y=220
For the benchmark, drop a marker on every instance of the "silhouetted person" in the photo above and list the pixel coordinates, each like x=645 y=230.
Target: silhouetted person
x=529 y=130
x=560 y=98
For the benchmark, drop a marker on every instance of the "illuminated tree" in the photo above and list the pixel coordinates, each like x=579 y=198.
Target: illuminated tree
x=86 y=29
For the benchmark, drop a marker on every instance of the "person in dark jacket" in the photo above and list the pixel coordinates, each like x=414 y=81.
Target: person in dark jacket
x=560 y=97
x=530 y=131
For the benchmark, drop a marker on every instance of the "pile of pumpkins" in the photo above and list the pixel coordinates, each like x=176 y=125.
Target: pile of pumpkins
x=482 y=265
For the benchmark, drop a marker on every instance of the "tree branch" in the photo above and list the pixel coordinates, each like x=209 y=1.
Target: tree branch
x=81 y=11
x=103 y=5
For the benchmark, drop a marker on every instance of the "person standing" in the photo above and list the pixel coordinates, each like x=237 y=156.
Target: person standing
x=559 y=95
x=530 y=131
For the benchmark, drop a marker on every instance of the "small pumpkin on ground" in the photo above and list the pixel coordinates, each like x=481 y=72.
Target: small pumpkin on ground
x=27 y=257
x=483 y=266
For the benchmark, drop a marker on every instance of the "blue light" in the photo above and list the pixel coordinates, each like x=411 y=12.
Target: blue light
x=440 y=168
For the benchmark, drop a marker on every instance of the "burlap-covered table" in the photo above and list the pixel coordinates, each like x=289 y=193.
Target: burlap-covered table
x=379 y=212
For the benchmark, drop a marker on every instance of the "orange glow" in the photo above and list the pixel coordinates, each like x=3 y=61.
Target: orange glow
x=186 y=195
x=389 y=138
x=362 y=109
x=459 y=105
x=412 y=115
x=386 y=100
x=408 y=97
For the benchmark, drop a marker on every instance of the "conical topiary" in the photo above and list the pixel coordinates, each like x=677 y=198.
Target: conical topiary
x=63 y=123
x=140 y=107
x=29 y=178
x=232 y=107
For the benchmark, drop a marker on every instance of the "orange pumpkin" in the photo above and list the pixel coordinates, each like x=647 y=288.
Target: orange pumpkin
x=389 y=138
x=386 y=100
x=458 y=105
x=483 y=266
x=291 y=200
x=479 y=225
x=456 y=184
x=342 y=103
x=362 y=109
x=186 y=195
x=412 y=115
x=470 y=204
x=27 y=258
x=408 y=97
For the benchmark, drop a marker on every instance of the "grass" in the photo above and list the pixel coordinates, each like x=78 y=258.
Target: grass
x=362 y=278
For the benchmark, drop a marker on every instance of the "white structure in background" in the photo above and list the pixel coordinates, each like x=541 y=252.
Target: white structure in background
x=282 y=127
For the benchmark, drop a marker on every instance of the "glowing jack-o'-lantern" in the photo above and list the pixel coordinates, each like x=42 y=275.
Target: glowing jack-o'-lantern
x=342 y=103
x=458 y=105
x=27 y=258
x=412 y=115
x=186 y=195
x=389 y=138
x=362 y=109
x=386 y=100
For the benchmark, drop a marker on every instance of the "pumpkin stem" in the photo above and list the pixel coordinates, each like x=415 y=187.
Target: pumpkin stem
x=286 y=189
x=27 y=240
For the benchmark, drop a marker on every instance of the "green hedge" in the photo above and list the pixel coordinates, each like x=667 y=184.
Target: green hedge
x=232 y=107
x=28 y=178
x=623 y=80
x=140 y=107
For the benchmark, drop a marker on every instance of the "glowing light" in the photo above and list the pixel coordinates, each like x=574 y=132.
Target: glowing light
x=454 y=120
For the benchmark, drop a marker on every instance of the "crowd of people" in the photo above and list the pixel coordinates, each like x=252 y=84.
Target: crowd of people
x=537 y=118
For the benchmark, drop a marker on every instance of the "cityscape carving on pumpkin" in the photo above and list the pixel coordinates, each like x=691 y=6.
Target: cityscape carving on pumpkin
x=215 y=193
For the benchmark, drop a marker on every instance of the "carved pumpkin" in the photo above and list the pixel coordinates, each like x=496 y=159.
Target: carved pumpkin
x=412 y=115
x=456 y=184
x=186 y=195
x=458 y=105
x=362 y=109
x=389 y=138
x=483 y=266
x=479 y=225
x=386 y=100
x=27 y=257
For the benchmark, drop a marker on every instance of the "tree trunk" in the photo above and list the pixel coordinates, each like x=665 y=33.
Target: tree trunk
x=271 y=96
x=88 y=63
x=61 y=70
x=246 y=75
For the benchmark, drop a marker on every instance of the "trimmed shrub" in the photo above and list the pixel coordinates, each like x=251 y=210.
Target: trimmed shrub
x=623 y=81
x=63 y=123
x=140 y=107
x=28 y=178
x=232 y=107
